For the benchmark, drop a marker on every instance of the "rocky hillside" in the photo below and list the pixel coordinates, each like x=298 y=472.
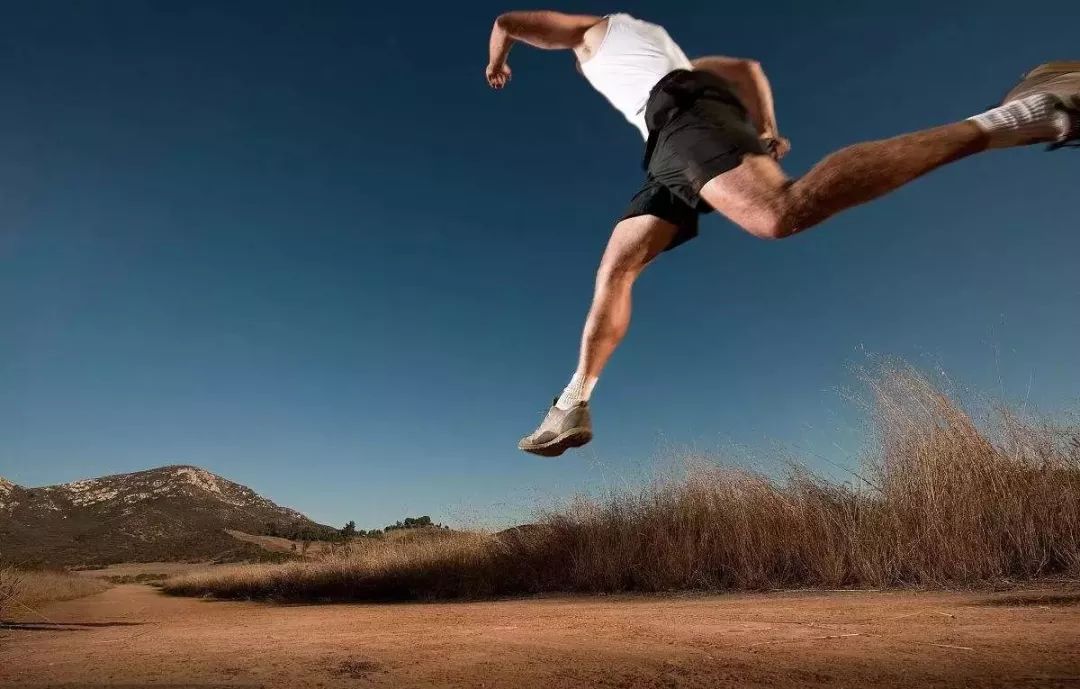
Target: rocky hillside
x=170 y=513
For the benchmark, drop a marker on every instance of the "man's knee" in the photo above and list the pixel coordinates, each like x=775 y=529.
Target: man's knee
x=758 y=197
x=772 y=224
x=634 y=243
x=773 y=219
x=615 y=270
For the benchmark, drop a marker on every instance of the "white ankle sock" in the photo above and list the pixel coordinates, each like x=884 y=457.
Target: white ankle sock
x=1028 y=120
x=576 y=391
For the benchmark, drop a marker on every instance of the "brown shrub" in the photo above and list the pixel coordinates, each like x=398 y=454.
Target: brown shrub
x=941 y=503
x=22 y=590
x=10 y=586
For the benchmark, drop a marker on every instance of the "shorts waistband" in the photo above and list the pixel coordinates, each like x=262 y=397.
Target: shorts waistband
x=664 y=80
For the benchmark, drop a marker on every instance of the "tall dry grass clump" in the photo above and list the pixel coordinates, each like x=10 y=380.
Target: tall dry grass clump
x=961 y=504
x=431 y=563
x=21 y=590
x=10 y=586
x=941 y=502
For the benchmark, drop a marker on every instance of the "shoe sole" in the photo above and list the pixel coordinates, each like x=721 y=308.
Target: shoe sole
x=575 y=437
x=1056 y=78
x=1054 y=68
x=1061 y=80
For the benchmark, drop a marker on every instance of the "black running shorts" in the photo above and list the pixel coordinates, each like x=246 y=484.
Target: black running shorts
x=698 y=129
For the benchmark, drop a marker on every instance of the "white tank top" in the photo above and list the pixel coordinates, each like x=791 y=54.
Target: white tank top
x=633 y=56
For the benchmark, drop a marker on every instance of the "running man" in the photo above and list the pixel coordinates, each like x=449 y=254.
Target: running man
x=712 y=143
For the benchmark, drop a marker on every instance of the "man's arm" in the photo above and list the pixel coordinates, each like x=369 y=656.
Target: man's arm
x=753 y=89
x=541 y=29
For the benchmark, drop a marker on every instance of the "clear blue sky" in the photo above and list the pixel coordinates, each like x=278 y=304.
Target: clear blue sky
x=304 y=246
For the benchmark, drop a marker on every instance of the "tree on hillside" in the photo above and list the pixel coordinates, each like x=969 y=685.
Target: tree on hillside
x=349 y=530
x=423 y=522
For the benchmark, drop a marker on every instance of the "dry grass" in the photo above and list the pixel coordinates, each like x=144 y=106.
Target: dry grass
x=289 y=548
x=435 y=562
x=941 y=503
x=10 y=585
x=21 y=591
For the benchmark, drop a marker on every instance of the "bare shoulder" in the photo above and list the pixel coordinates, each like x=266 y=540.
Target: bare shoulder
x=592 y=39
x=720 y=63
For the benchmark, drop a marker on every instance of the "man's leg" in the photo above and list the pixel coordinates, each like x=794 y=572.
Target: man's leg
x=759 y=197
x=634 y=243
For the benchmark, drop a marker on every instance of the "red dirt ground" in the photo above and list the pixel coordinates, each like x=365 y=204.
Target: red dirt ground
x=133 y=636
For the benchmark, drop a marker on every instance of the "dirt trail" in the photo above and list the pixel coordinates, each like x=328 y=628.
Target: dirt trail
x=132 y=636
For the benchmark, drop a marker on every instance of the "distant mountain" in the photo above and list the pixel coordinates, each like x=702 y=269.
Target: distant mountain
x=170 y=513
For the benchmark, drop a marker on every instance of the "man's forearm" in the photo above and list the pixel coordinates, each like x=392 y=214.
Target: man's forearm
x=751 y=85
x=759 y=99
x=499 y=45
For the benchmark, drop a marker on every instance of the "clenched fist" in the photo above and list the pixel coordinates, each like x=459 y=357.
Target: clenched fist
x=498 y=76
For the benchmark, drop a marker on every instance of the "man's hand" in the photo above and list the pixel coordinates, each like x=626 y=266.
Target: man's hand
x=498 y=75
x=777 y=145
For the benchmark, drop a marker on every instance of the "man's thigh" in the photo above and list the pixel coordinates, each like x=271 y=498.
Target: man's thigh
x=752 y=195
x=656 y=216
